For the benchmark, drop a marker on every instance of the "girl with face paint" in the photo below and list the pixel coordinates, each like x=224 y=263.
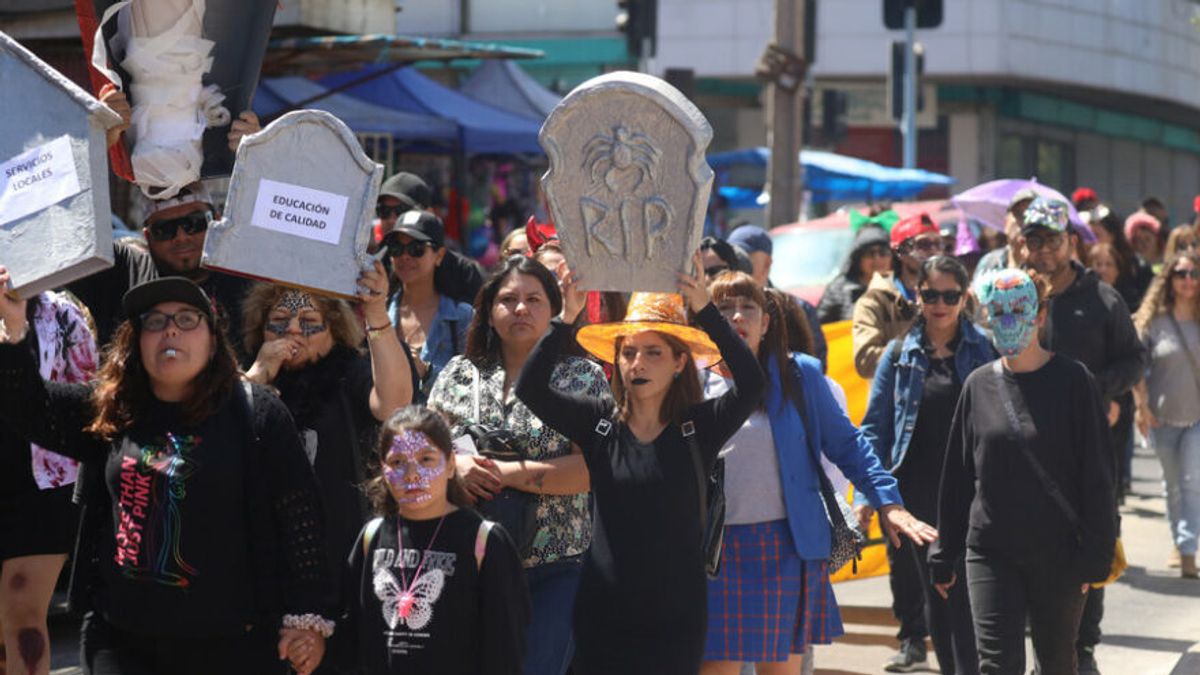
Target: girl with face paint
x=1026 y=493
x=431 y=586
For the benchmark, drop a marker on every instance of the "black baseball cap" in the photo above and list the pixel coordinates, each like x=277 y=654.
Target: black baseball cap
x=421 y=226
x=143 y=297
x=409 y=189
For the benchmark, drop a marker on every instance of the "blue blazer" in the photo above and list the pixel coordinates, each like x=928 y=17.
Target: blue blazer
x=797 y=448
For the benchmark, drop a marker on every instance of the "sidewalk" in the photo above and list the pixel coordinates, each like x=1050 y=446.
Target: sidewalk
x=1152 y=616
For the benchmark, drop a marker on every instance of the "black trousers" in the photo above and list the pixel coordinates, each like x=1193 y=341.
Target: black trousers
x=108 y=650
x=951 y=627
x=1004 y=593
x=908 y=595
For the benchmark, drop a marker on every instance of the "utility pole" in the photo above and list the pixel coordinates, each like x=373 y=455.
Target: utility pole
x=909 y=125
x=785 y=70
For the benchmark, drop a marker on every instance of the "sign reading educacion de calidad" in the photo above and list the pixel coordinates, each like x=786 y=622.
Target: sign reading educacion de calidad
x=36 y=179
x=299 y=211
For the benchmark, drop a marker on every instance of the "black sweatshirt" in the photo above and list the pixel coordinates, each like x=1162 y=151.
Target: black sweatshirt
x=990 y=497
x=1089 y=322
x=190 y=531
x=641 y=604
x=470 y=618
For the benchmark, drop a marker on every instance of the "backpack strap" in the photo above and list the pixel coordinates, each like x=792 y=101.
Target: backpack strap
x=481 y=537
x=369 y=533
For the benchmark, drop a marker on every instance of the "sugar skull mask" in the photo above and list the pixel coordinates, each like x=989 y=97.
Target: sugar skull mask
x=1010 y=297
x=411 y=449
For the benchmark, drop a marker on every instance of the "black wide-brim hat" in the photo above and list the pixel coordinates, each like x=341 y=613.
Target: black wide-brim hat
x=143 y=297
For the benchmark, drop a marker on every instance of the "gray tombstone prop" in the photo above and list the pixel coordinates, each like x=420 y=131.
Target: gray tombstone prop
x=55 y=220
x=628 y=183
x=300 y=207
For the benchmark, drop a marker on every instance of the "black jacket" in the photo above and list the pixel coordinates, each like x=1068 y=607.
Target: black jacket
x=837 y=303
x=1090 y=322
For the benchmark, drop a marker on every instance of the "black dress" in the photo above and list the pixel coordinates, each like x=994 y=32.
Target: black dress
x=641 y=603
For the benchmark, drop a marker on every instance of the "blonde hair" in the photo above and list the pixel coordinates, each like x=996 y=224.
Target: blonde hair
x=345 y=327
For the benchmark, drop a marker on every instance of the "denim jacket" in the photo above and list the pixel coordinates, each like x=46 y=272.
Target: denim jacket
x=447 y=336
x=832 y=434
x=900 y=380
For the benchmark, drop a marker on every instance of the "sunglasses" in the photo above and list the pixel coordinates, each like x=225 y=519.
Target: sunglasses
x=715 y=270
x=414 y=249
x=931 y=297
x=383 y=211
x=1192 y=273
x=193 y=223
x=927 y=245
x=155 y=321
x=1038 y=243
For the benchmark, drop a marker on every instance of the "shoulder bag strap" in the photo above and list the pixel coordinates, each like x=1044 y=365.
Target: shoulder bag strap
x=475 y=387
x=688 y=429
x=369 y=536
x=1184 y=343
x=827 y=494
x=1014 y=423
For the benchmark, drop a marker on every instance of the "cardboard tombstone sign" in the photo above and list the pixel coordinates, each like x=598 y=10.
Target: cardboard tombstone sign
x=55 y=224
x=300 y=207
x=628 y=184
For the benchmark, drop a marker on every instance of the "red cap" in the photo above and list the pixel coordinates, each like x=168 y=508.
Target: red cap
x=912 y=226
x=1083 y=193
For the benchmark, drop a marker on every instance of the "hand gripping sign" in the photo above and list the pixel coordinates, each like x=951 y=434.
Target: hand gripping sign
x=628 y=184
x=300 y=206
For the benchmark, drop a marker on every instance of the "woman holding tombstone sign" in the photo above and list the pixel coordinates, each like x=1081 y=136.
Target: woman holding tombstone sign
x=546 y=477
x=308 y=348
x=201 y=538
x=641 y=601
x=37 y=518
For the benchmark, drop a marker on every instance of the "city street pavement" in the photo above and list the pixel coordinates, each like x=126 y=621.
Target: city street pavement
x=1152 y=616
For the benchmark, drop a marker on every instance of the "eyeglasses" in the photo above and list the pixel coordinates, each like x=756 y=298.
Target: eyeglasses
x=384 y=211
x=931 y=297
x=155 y=321
x=877 y=251
x=715 y=270
x=414 y=249
x=927 y=245
x=1036 y=243
x=1191 y=273
x=193 y=223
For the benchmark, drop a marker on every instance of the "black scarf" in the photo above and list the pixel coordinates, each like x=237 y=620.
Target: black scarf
x=305 y=391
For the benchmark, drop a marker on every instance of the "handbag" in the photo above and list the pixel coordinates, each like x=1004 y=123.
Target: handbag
x=846 y=538
x=1119 y=564
x=514 y=509
x=711 y=489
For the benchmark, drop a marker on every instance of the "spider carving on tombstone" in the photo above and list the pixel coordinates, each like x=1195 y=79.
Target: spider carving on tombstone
x=609 y=156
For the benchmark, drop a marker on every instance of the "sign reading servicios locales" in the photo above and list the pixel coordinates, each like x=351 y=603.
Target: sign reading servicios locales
x=36 y=179
x=299 y=211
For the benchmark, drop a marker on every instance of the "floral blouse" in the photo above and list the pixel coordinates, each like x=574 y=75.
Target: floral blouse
x=564 y=521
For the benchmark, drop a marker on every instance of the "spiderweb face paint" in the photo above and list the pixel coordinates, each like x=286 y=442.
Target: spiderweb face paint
x=409 y=448
x=293 y=303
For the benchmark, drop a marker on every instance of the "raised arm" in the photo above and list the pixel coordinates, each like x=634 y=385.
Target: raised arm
x=391 y=372
x=572 y=415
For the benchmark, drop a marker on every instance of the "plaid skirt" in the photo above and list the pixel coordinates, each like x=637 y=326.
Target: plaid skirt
x=767 y=603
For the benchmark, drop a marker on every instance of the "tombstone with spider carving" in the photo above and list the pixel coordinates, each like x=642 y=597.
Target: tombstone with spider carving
x=628 y=184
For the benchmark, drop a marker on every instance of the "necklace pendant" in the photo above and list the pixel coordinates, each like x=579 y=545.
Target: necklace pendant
x=405 y=605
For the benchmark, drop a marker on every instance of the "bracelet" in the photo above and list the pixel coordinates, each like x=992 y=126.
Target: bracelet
x=371 y=328
x=374 y=334
x=315 y=623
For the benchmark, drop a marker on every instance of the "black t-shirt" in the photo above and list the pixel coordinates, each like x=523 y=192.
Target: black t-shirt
x=467 y=618
x=177 y=536
x=990 y=496
x=921 y=469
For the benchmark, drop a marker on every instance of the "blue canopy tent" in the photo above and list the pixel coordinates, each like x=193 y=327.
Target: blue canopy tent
x=482 y=128
x=505 y=85
x=279 y=94
x=828 y=176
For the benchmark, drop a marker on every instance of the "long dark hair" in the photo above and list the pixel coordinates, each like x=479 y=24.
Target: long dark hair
x=483 y=344
x=426 y=421
x=123 y=394
x=774 y=343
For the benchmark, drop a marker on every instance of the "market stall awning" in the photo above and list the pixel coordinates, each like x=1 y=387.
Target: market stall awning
x=279 y=94
x=484 y=129
x=829 y=177
x=317 y=55
x=505 y=85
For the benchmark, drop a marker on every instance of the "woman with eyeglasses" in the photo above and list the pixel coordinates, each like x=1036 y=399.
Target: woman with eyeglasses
x=1168 y=400
x=309 y=347
x=908 y=417
x=869 y=254
x=201 y=548
x=432 y=324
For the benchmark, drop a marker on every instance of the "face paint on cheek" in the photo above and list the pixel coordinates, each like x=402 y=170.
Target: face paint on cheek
x=277 y=327
x=309 y=329
x=407 y=446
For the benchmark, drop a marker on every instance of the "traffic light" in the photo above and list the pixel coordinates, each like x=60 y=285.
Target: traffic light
x=896 y=79
x=638 y=20
x=929 y=13
x=833 y=115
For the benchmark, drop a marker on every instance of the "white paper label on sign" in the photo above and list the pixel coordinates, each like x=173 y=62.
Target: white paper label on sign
x=36 y=179
x=299 y=211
